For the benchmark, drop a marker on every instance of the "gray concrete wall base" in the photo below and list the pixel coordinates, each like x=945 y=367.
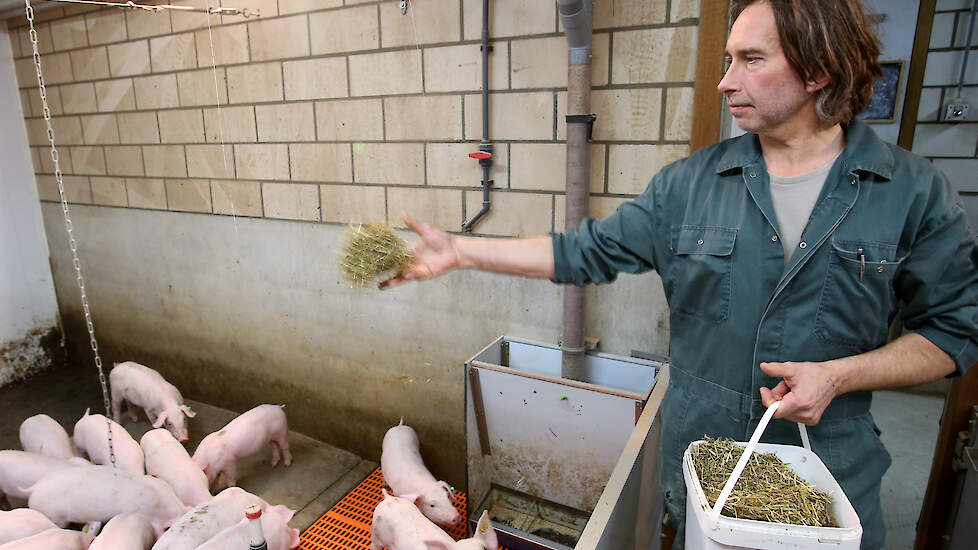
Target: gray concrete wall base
x=239 y=311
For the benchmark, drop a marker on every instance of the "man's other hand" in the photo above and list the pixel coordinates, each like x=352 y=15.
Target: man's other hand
x=433 y=254
x=805 y=390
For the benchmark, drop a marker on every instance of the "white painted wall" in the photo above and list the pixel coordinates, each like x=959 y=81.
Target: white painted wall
x=28 y=307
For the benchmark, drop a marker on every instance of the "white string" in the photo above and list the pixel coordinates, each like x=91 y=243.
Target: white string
x=417 y=42
x=220 y=118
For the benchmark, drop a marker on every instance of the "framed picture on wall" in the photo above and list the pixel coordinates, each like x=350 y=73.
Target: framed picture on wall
x=886 y=91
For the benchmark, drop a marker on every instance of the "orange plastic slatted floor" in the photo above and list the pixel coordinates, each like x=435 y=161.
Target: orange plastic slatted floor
x=346 y=526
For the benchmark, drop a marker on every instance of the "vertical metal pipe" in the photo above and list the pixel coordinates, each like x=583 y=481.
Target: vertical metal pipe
x=576 y=18
x=484 y=145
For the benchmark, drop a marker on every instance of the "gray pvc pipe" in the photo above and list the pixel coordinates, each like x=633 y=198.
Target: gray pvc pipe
x=575 y=16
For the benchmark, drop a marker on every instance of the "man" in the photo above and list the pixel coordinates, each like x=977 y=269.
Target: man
x=784 y=255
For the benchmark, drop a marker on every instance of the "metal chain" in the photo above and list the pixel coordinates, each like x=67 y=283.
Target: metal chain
x=71 y=236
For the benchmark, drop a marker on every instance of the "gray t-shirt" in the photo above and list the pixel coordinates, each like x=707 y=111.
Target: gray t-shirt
x=794 y=199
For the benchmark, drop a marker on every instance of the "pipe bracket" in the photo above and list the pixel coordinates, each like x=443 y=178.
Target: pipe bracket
x=583 y=119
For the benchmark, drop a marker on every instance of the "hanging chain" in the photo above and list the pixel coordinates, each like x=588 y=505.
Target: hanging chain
x=71 y=236
x=244 y=12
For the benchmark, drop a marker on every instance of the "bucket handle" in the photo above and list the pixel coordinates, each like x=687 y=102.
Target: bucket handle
x=742 y=463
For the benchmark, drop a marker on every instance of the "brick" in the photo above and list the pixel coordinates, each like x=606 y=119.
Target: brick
x=315 y=78
x=198 y=87
x=509 y=18
x=37 y=132
x=943 y=68
x=165 y=161
x=262 y=162
x=125 y=160
x=57 y=68
x=320 y=162
x=188 y=195
x=449 y=165
x=88 y=161
x=459 y=68
x=266 y=8
x=210 y=161
x=100 y=129
x=129 y=58
x=441 y=208
x=512 y=214
x=115 y=95
x=78 y=189
x=230 y=45
x=629 y=13
x=106 y=26
x=230 y=124
x=654 y=55
x=599 y=208
x=428 y=22
x=631 y=167
x=25 y=103
x=44 y=42
x=286 y=7
x=47 y=188
x=540 y=63
x=146 y=193
x=627 y=114
x=141 y=24
x=15 y=48
x=293 y=201
x=69 y=34
x=141 y=128
x=352 y=119
x=267 y=38
x=25 y=72
x=88 y=64
x=54 y=101
x=352 y=204
x=75 y=10
x=156 y=92
x=67 y=130
x=961 y=36
x=525 y=115
x=390 y=163
x=236 y=197
x=109 y=191
x=255 y=83
x=47 y=165
x=543 y=167
x=386 y=73
x=185 y=20
x=78 y=98
x=945 y=140
x=181 y=126
x=684 y=9
x=173 y=52
x=345 y=30
x=679 y=114
x=427 y=118
x=285 y=122
x=960 y=172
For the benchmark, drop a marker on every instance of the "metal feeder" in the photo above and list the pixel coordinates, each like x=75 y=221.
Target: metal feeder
x=552 y=458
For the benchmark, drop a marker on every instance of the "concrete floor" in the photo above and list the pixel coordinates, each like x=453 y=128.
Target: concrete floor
x=320 y=475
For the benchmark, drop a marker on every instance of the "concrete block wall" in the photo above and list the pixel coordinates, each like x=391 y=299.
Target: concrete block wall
x=951 y=146
x=210 y=201
x=339 y=112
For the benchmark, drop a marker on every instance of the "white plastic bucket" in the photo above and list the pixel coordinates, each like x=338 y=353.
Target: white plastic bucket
x=701 y=533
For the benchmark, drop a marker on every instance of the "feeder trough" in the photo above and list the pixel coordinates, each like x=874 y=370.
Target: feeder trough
x=561 y=463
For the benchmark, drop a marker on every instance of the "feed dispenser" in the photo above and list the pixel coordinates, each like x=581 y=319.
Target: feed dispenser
x=551 y=458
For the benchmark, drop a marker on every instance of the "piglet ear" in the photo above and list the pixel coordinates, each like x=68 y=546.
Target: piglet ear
x=485 y=532
x=283 y=511
x=448 y=488
x=160 y=420
x=413 y=497
x=432 y=544
x=188 y=411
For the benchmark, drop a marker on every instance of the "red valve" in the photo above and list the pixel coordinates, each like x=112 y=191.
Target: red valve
x=481 y=155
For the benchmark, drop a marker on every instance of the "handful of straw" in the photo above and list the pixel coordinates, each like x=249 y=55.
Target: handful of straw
x=767 y=490
x=372 y=249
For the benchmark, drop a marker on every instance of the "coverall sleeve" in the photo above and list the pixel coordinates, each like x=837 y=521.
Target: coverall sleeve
x=938 y=283
x=597 y=251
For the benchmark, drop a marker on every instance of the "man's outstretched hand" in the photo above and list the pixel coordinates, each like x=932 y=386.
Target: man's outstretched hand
x=805 y=390
x=434 y=253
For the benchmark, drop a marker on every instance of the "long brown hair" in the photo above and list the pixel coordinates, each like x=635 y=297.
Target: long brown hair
x=830 y=38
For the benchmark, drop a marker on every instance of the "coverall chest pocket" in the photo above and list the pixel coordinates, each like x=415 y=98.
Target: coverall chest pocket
x=857 y=298
x=699 y=280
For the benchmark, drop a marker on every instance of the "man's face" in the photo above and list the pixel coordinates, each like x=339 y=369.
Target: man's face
x=764 y=92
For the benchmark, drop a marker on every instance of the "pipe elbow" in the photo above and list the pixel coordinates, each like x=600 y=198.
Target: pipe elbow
x=575 y=16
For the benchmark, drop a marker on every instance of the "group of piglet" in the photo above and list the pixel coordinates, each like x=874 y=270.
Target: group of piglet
x=406 y=519
x=155 y=495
